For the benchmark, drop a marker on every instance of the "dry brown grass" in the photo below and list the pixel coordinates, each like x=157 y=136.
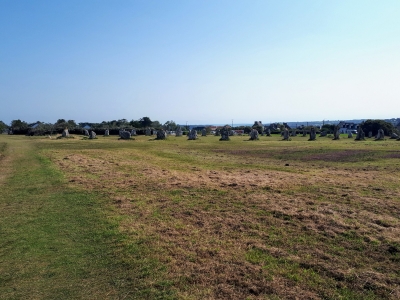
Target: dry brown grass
x=232 y=226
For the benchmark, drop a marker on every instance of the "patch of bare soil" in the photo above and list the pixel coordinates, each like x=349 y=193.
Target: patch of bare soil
x=304 y=155
x=326 y=233
x=393 y=154
x=339 y=156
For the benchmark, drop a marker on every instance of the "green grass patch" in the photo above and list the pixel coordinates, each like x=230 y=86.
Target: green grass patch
x=57 y=242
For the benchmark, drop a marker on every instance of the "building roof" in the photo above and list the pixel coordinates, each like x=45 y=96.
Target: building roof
x=34 y=125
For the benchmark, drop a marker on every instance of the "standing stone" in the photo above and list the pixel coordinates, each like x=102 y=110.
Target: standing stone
x=350 y=135
x=10 y=131
x=192 y=135
x=133 y=132
x=106 y=132
x=370 y=134
x=285 y=134
x=161 y=134
x=92 y=135
x=178 y=131
x=380 y=135
x=336 y=133
x=394 y=136
x=313 y=134
x=148 y=131
x=124 y=135
x=224 y=134
x=268 y=132
x=86 y=133
x=254 y=135
x=360 y=134
x=304 y=132
x=294 y=133
x=65 y=133
x=218 y=132
x=323 y=133
x=204 y=132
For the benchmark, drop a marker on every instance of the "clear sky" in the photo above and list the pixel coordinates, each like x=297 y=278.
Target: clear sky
x=203 y=61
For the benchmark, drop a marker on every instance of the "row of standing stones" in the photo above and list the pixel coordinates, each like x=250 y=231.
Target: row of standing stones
x=380 y=136
x=224 y=133
x=336 y=134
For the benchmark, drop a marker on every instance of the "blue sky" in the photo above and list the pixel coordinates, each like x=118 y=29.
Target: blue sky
x=199 y=61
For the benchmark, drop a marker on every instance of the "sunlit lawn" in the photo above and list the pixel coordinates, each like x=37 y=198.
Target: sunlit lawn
x=204 y=219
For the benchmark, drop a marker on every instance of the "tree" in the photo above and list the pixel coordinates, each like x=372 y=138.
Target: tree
x=156 y=124
x=145 y=122
x=328 y=127
x=122 y=123
x=2 y=126
x=60 y=125
x=97 y=125
x=208 y=129
x=135 y=124
x=41 y=128
x=71 y=124
x=48 y=127
x=375 y=125
x=247 y=129
x=19 y=125
x=170 y=125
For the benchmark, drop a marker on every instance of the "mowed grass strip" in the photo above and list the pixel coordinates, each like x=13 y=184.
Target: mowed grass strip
x=57 y=242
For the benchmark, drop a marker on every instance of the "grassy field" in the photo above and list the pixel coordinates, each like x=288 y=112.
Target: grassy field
x=204 y=219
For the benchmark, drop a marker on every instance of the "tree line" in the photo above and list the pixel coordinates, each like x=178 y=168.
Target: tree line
x=41 y=128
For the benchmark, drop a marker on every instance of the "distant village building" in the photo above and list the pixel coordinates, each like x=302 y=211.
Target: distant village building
x=238 y=132
x=272 y=127
x=35 y=129
x=347 y=127
x=34 y=125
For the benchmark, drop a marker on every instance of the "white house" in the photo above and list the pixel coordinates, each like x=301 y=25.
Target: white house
x=347 y=127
